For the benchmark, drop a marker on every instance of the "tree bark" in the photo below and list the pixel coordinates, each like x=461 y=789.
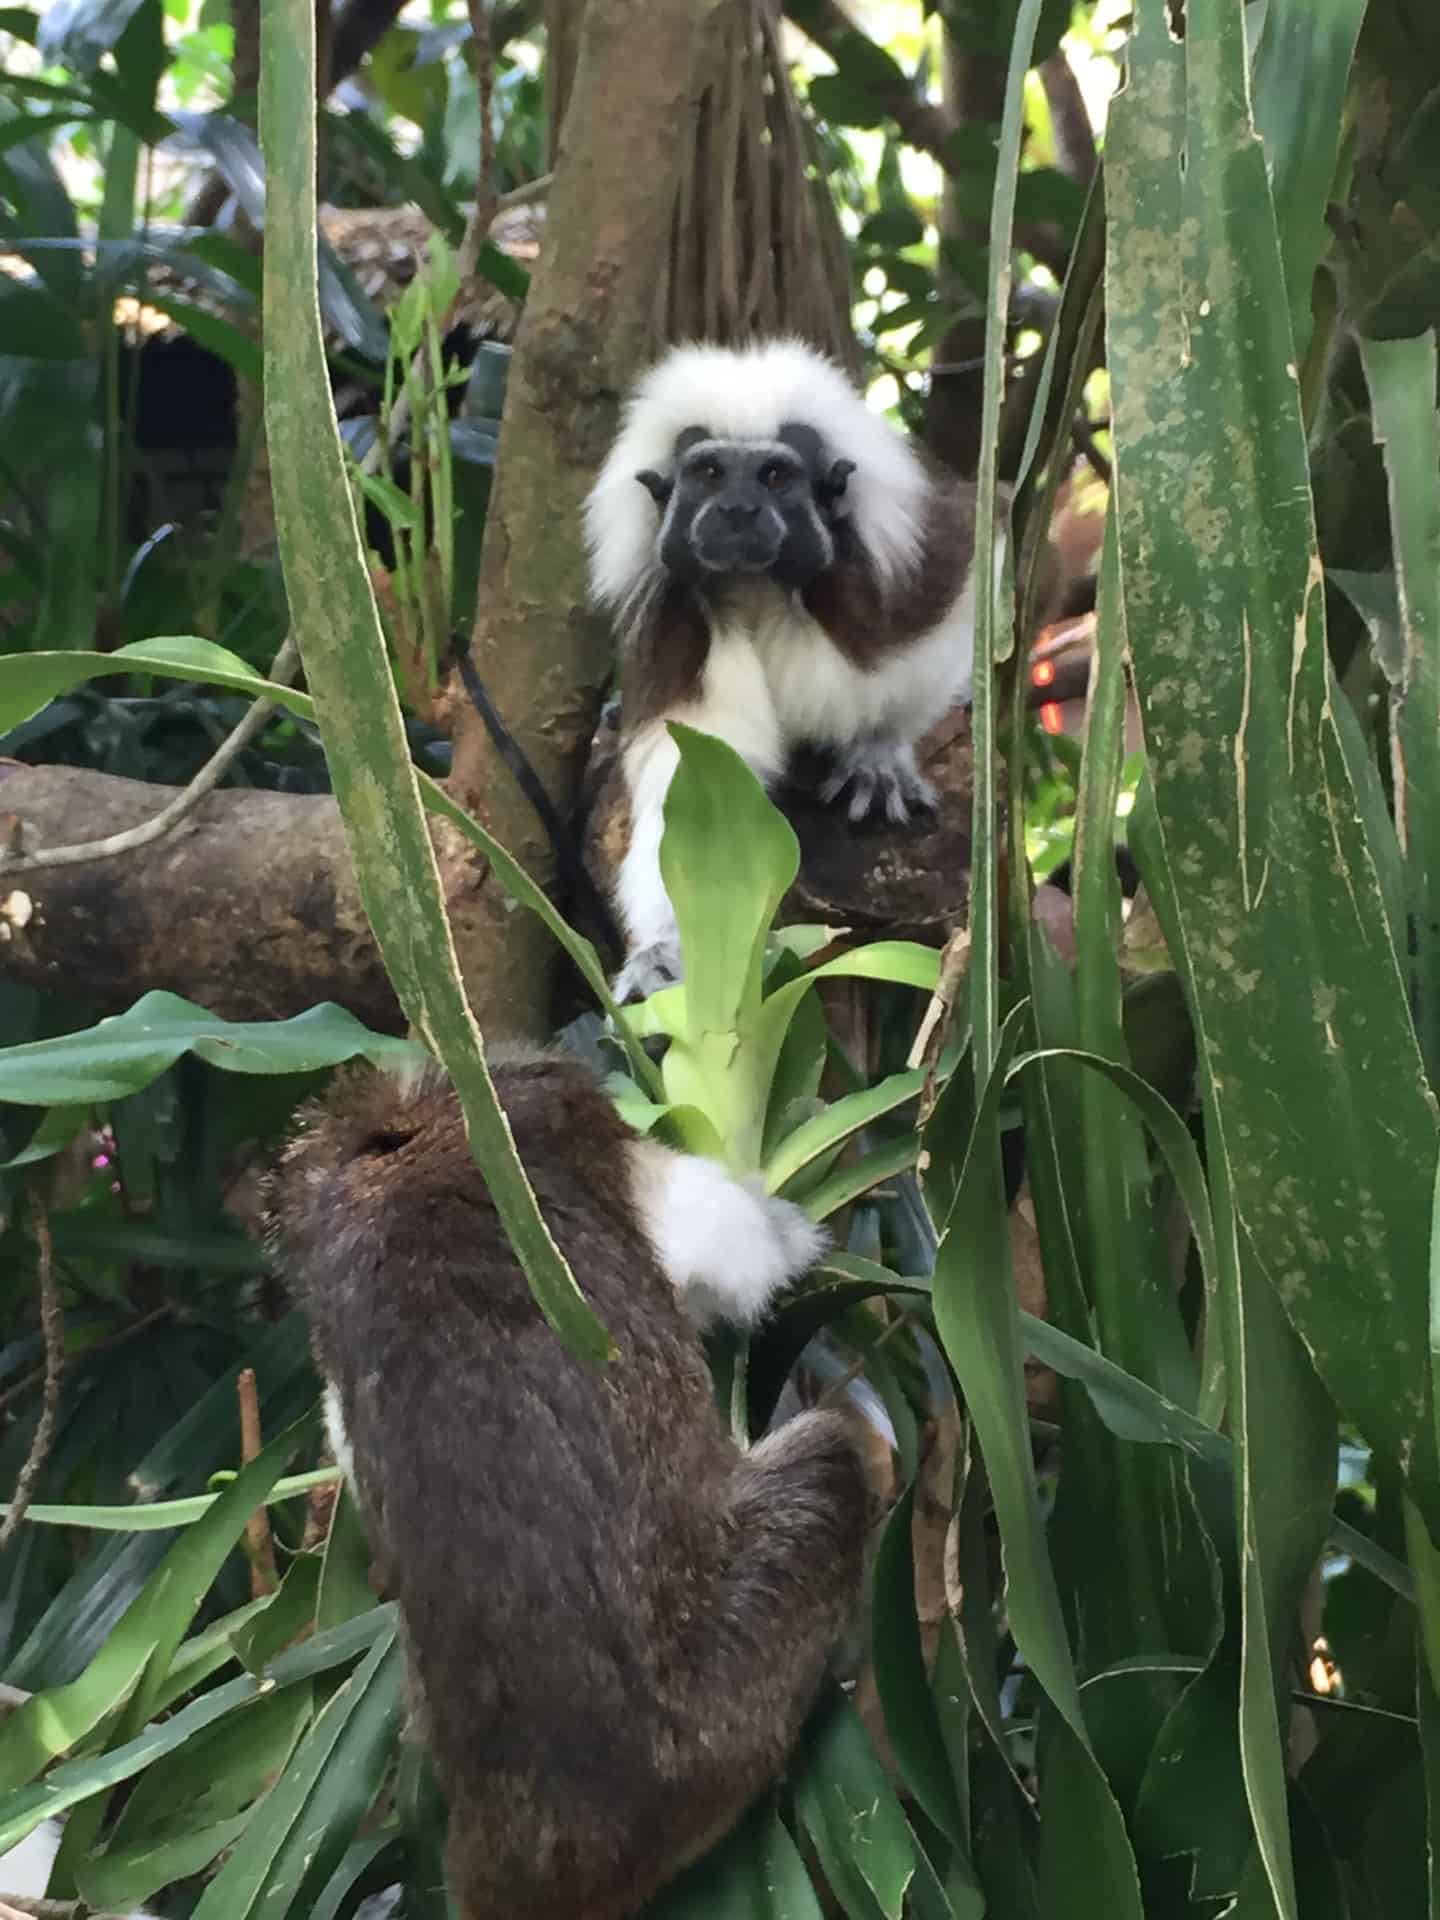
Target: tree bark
x=585 y=332
x=248 y=906
x=563 y=22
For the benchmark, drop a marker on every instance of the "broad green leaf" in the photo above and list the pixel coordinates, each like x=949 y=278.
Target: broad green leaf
x=358 y=1858
x=29 y=681
x=126 y=1052
x=298 y=1837
x=1301 y=73
x=831 y=1128
x=212 y=331
x=852 y=1815
x=347 y=666
x=728 y=856
x=288 y=1617
x=911 y=1719
x=25 y=1807
x=194 y=1802
x=977 y=1319
x=1297 y=1002
x=345 y=1589
x=1170 y=1132
x=1129 y=1284
x=1401 y=376
x=141 y=1647
x=857 y=1177
x=756 y=1873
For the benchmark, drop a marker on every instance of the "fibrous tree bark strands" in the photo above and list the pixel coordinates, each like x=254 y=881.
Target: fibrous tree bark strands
x=754 y=248
x=732 y=132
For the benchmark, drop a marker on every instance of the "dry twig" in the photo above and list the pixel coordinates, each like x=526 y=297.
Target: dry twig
x=170 y=815
x=52 y=1324
x=935 y=1026
x=259 y=1542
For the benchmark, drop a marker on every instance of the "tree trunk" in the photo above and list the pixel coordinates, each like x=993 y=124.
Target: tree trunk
x=540 y=652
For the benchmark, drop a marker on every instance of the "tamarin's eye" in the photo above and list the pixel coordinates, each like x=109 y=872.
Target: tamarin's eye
x=712 y=472
x=773 y=475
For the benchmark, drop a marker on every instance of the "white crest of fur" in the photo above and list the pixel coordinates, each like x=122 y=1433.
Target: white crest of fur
x=748 y=393
x=726 y=1245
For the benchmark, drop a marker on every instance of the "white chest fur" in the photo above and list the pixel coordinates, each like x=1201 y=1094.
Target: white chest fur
x=774 y=680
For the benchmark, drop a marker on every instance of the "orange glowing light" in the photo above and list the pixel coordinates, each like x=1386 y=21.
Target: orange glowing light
x=1042 y=673
x=1051 y=717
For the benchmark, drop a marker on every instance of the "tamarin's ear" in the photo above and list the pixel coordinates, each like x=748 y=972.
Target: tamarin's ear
x=656 y=485
x=830 y=490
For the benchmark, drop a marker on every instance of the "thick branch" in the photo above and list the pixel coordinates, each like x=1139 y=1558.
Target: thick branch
x=248 y=906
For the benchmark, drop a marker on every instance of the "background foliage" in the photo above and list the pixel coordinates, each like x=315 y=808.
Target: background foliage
x=1154 y=1625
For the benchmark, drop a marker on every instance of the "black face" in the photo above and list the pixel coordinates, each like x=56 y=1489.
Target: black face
x=748 y=508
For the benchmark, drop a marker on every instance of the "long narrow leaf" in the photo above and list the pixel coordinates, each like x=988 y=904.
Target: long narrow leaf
x=338 y=629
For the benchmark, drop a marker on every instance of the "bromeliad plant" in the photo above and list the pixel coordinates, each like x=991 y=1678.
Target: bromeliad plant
x=740 y=1082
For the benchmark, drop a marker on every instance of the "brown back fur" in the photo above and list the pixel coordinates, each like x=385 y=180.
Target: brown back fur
x=616 y=1621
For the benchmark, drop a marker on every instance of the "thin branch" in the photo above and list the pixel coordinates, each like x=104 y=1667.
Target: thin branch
x=259 y=1541
x=52 y=1324
x=482 y=215
x=922 y=122
x=526 y=194
x=159 y=824
x=934 y=1028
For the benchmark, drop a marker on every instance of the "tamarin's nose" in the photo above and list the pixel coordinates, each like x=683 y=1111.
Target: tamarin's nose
x=737 y=512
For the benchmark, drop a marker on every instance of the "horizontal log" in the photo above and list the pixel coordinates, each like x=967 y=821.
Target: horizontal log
x=248 y=905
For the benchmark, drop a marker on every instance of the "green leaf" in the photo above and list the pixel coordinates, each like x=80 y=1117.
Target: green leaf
x=194 y=1802
x=298 y=1837
x=756 y=1873
x=903 y=1684
x=161 y=1516
x=977 y=1319
x=1301 y=73
x=728 y=857
x=831 y=1128
x=35 y=322
x=1401 y=376
x=128 y=1050
x=858 y=1177
x=142 y=1646
x=1297 y=1002
x=851 y=1813
x=76 y=33
x=212 y=331
x=348 y=669
x=28 y=681
x=345 y=1589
